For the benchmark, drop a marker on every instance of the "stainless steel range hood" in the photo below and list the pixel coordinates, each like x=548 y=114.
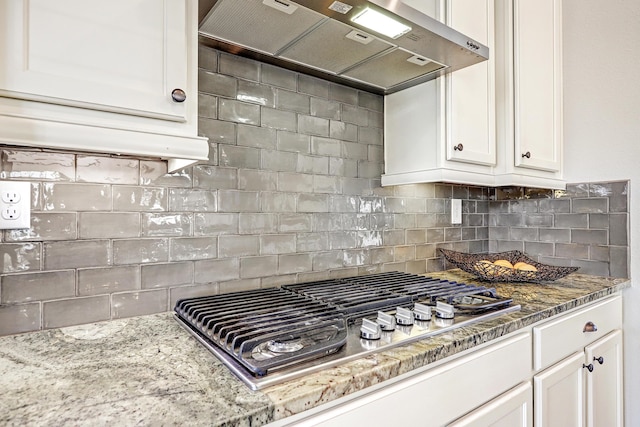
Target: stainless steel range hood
x=319 y=37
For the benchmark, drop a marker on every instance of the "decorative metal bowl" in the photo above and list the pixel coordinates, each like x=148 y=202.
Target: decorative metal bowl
x=477 y=265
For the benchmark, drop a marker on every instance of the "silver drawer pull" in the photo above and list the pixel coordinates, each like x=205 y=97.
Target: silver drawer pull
x=589 y=327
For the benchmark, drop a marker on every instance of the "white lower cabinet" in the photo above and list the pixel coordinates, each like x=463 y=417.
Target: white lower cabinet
x=436 y=396
x=512 y=409
x=583 y=385
x=559 y=398
x=564 y=372
x=603 y=386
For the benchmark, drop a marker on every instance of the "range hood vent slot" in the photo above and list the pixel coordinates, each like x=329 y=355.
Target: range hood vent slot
x=318 y=37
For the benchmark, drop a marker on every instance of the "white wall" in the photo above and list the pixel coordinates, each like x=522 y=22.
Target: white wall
x=602 y=129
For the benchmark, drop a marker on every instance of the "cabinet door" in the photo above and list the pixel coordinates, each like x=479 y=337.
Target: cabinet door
x=559 y=394
x=537 y=77
x=123 y=56
x=470 y=105
x=512 y=409
x=604 y=384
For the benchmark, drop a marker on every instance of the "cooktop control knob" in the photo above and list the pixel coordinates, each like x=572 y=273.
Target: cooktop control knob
x=370 y=330
x=421 y=311
x=404 y=316
x=386 y=321
x=444 y=310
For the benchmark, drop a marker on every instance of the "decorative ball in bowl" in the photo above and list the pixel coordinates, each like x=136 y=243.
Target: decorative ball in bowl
x=511 y=266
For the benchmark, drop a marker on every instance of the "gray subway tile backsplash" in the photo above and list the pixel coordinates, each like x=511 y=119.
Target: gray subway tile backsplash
x=140 y=251
x=140 y=199
x=258 y=266
x=239 y=67
x=216 y=270
x=217 y=84
x=320 y=107
x=20 y=257
x=291 y=192
x=192 y=248
x=39 y=286
x=256 y=93
x=47 y=226
x=107 y=170
x=167 y=224
x=66 y=312
x=104 y=225
x=278 y=77
x=19 y=164
x=16 y=319
x=595 y=205
x=239 y=157
x=588 y=229
x=166 y=275
x=106 y=280
x=76 y=254
x=238 y=111
x=279 y=119
x=76 y=197
x=139 y=303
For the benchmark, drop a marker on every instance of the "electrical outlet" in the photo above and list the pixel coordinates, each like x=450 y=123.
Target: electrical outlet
x=15 y=205
x=456 y=211
x=10 y=212
x=10 y=196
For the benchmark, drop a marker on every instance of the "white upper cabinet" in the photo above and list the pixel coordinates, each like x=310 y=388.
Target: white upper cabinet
x=444 y=130
x=495 y=123
x=470 y=92
x=529 y=69
x=127 y=67
x=538 y=79
x=98 y=55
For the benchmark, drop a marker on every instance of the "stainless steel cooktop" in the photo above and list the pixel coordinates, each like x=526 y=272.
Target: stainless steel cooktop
x=268 y=336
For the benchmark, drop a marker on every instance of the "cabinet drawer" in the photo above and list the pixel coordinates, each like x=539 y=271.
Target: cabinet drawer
x=438 y=395
x=559 y=338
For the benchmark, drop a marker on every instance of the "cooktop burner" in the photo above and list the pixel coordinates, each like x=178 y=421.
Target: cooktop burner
x=267 y=336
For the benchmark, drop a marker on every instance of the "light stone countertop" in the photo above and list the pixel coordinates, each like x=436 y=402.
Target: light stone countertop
x=148 y=371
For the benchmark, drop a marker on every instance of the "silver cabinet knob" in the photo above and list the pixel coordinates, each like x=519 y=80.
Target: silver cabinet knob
x=178 y=95
x=458 y=147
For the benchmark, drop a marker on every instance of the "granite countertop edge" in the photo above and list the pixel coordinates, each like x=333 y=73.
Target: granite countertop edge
x=148 y=370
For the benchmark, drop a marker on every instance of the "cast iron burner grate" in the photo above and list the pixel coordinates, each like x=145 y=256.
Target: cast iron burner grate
x=265 y=336
x=266 y=328
x=364 y=295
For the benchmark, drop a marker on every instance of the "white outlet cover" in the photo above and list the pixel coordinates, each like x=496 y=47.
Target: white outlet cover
x=15 y=205
x=456 y=211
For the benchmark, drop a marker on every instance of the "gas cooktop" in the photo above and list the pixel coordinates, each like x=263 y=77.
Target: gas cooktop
x=268 y=336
